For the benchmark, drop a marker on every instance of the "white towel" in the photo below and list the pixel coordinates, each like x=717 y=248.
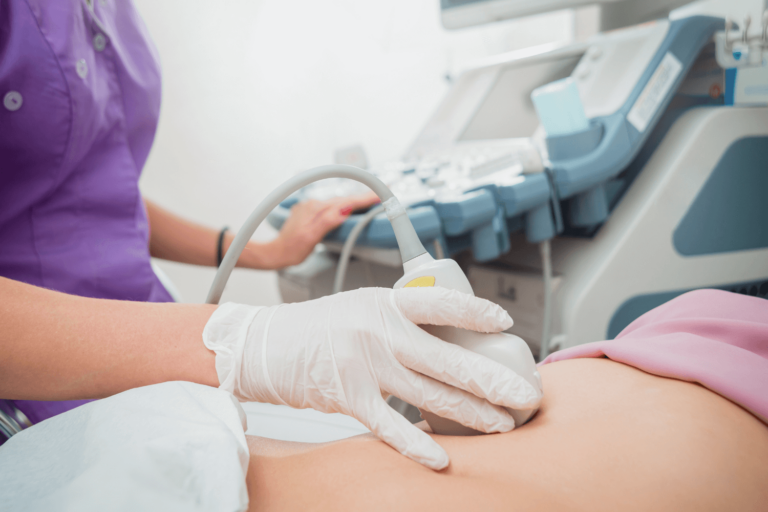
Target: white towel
x=172 y=446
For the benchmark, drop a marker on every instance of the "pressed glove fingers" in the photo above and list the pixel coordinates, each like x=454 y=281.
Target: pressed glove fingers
x=441 y=306
x=392 y=428
x=466 y=370
x=449 y=402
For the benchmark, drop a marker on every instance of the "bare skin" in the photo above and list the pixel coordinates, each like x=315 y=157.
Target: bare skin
x=55 y=346
x=608 y=437
x=177 y=239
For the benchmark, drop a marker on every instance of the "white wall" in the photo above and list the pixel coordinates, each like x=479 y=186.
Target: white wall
x=255 y=91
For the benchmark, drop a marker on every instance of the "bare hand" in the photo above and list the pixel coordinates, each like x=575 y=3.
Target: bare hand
x=310 y=221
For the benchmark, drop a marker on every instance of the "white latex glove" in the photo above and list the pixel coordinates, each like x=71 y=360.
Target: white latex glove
x=341 y=352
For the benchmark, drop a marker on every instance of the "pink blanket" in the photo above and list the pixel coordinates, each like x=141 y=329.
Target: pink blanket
x=716 y=338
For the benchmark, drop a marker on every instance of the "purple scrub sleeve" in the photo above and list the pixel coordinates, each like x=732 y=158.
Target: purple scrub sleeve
x=79 y=103
x=714 y=338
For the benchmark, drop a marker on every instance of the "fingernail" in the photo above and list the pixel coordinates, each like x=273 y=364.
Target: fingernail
x=346 y=211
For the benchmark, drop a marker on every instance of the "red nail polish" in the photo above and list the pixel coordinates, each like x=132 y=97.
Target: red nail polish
x=346 y=211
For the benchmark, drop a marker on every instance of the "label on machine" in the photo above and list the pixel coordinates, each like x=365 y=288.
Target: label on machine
x=654 y=92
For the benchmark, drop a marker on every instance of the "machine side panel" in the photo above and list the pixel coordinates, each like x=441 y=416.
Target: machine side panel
x=730 y=213
x=633 y=254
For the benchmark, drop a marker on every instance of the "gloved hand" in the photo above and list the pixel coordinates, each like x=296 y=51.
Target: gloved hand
x=341 y=352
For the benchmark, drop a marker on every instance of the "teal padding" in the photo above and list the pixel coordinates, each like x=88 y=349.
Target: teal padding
x=485 y=244
x=501 y=231
x=531 y=192
x=466 y=212
x=456 y=244
x=730 y=212
x=539 y=225
x=515 y=224
x=572 y=145
x=588 y=208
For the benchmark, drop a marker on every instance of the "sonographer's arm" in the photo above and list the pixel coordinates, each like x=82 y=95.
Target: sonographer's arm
x=58 y=347
x=55 y=346
x=177 y=239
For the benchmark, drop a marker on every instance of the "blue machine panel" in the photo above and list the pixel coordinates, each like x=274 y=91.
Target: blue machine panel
x=476 y=220
x=730 y=213
x=466 y=212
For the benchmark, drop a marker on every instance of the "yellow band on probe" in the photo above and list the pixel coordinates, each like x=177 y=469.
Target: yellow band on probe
x=421 y=282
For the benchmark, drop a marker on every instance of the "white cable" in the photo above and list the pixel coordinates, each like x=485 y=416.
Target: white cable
x=439 y=253
x=546 y=268
x=407 y=239
x=349 y=244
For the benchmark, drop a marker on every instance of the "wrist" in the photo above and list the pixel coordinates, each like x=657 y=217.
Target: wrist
x=258 y=256
x=222 y=243
x=275 y=254
x=235 y=334
x=264 y=256
x=225 y=334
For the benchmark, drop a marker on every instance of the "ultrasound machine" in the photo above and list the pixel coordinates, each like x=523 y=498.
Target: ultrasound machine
x=581 y=185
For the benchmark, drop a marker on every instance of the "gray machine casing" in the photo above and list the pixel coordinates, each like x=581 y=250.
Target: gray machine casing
x=636 y=260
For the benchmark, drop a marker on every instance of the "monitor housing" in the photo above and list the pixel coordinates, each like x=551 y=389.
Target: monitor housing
x=614 y=14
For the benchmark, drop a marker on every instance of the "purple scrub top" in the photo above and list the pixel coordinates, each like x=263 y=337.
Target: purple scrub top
x=80 y=98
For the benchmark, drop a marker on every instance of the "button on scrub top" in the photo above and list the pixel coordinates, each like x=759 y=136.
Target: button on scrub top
x=80 y=89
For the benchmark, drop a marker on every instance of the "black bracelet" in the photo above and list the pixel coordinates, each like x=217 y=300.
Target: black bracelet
x=220 y=246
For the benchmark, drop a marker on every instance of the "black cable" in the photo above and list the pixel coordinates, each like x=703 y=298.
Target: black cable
x=220 y=246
